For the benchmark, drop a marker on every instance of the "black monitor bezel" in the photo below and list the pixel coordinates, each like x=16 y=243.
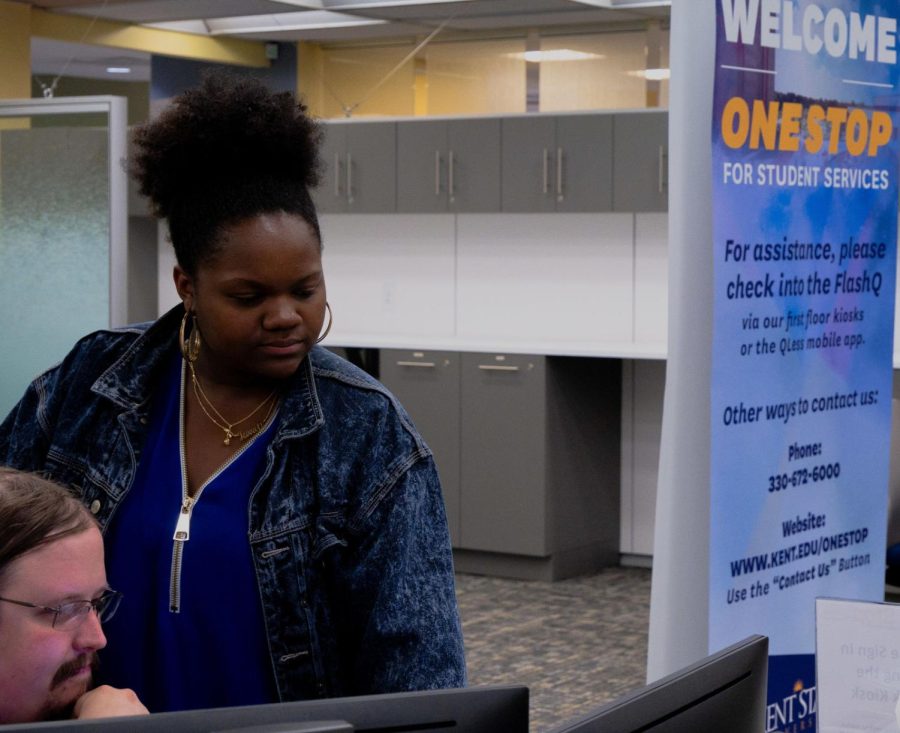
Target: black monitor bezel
x=673 y=695
x=476 y=709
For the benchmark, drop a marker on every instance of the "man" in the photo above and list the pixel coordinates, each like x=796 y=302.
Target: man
x=53 y=596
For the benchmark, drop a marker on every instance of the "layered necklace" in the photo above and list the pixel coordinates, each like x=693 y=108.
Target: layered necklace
x=230 y=429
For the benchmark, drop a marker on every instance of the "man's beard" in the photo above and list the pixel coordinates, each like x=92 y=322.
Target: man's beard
x=62 y=710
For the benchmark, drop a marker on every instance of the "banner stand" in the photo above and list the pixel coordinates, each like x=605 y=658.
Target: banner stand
x=680 y=586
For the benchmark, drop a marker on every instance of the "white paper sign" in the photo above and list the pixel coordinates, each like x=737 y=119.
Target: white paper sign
x=858 y=666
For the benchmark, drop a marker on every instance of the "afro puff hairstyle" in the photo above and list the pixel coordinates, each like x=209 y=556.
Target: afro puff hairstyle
x=224 y=152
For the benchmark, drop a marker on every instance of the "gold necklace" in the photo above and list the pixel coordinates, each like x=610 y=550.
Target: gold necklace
x=223 y=424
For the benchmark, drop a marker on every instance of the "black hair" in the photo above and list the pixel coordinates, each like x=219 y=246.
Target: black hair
x=223 y=152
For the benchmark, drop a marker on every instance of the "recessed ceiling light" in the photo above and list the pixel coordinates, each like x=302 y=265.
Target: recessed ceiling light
x=556 y=54
x=651 y=74
x=118 y=70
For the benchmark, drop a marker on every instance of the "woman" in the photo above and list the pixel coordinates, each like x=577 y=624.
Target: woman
x=270 y=512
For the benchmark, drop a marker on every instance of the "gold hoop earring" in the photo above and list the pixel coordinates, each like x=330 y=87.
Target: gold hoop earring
x=190 y=347
x=328 y=327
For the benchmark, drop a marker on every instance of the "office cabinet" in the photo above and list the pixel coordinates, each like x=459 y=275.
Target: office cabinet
x=427 y=384
x=643 y=390
x=530 y=163
x=641 y=161
x=448 y=165
x=504 y=458
x=358 y=168
x=559 y=163
x=540 y=462
x=528 y=452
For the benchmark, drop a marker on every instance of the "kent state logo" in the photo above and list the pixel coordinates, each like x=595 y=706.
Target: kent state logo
x=794 y=713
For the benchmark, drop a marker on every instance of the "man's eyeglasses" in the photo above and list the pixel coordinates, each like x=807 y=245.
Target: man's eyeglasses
x=71 y=614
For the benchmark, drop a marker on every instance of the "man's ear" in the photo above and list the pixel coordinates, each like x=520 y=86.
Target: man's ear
x=184 y=284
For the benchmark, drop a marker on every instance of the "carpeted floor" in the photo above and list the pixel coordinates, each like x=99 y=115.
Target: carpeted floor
x=575 y=643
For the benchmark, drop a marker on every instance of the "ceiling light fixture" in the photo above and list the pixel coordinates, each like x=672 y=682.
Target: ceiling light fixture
x=651 y=74
x=118 y=70
x=556 y=54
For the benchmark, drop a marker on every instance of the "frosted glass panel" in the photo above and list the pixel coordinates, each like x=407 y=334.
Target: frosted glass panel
x=54 y=248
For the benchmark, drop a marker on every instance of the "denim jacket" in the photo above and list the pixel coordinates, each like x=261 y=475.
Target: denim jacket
x=346 y=525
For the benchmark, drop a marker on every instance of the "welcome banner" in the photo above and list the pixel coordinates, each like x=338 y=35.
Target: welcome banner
x=804 y=171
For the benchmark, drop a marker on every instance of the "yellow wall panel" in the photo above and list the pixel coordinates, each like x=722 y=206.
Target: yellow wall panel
x=356 y=79
x=310 y=62
x=15 y=50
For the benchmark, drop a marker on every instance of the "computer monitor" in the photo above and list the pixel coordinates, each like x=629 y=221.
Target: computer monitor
x=465 y=710
x=725 y=691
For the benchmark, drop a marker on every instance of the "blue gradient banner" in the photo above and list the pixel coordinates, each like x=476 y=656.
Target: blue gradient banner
x=804 y=171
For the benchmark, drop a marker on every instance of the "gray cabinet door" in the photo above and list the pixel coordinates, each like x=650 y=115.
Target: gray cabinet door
x=503 y=454
x=427 y=384
x=529 y=145
x=422 y=166
x=370 y=167
x=641 y=176
x=473 y=165
x=359 y=164
x=448 y=166
x=562 y=163
x=583 y=163
x=330 y=196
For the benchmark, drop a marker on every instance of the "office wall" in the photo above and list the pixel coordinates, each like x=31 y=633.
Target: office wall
x=170 y=76
x=479 y=76
x=475 y=77
x=136 y=92
x=349 y=76
x=15 y=56
x=608 y=81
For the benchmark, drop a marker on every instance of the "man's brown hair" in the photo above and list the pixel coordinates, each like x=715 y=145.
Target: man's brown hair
x=33 y=512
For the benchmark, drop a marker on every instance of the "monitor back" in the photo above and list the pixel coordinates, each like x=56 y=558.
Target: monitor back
x=725 y=691
x=466 y=710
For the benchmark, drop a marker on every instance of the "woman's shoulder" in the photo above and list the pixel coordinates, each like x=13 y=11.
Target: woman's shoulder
x=89 y=352
x=327 y=364
x=110 y=358
x=96 y=351
x=360 y=399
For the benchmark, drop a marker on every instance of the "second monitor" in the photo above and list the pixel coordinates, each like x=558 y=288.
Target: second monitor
x=723 y=692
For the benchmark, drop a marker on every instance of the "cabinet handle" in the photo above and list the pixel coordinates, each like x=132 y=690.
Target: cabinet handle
x=559 y=174
x=337 y=174
x=421 y=364
x=546 y=186
x=349 y=178
x=450 y=184
x=662 y=169
x=497 y=368
x=437 y=172
x=450 y=187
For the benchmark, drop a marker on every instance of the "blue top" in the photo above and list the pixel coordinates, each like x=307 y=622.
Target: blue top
x=202 y=641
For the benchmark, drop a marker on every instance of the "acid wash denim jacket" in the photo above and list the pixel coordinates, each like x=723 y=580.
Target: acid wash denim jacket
x=346 y=525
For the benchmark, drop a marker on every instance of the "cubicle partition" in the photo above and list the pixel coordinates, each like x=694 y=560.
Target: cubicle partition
x=63 y=230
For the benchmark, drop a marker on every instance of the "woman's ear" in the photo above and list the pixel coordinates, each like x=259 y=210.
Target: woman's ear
x=184 y=284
